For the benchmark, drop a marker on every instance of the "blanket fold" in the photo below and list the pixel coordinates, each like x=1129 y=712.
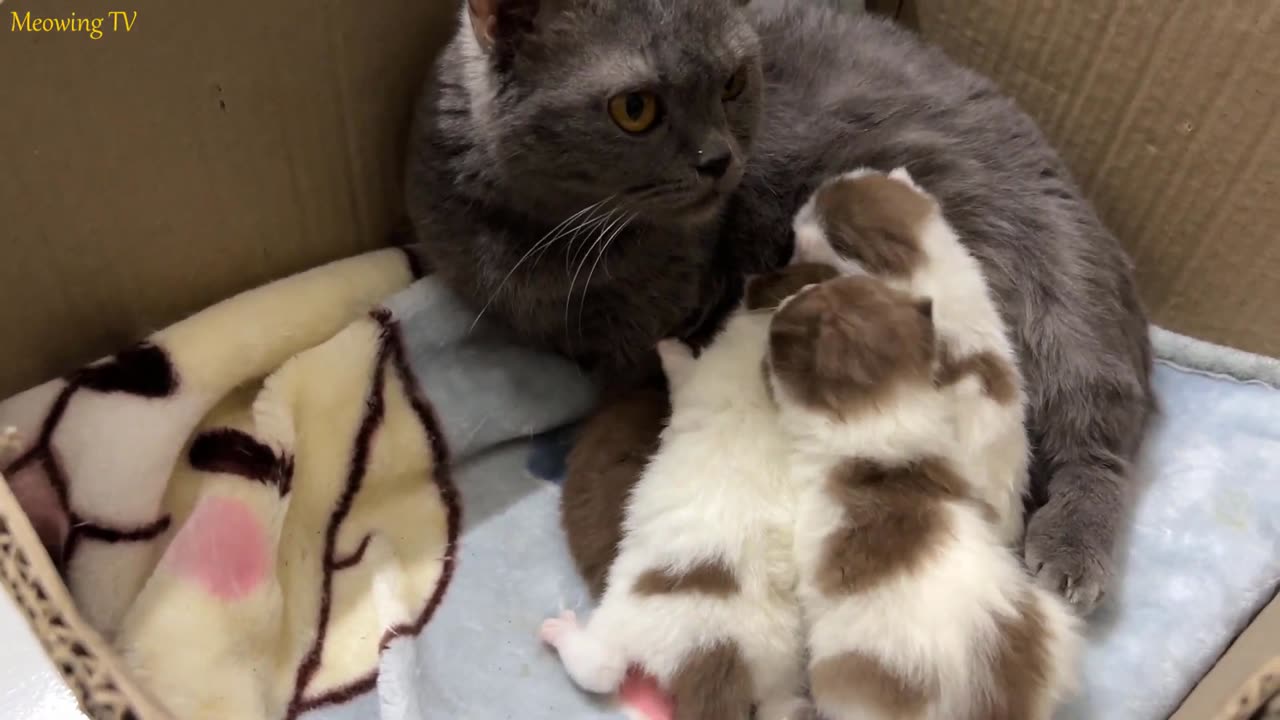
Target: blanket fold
x=256 y=502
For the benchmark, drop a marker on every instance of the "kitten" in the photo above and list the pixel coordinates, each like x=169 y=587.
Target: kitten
x=914 y=607
x=704 y=574
x=614 y=445
x=869 y=222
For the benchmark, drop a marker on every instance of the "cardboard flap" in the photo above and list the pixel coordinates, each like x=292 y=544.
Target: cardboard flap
x=206 y=149
x=1167 y=114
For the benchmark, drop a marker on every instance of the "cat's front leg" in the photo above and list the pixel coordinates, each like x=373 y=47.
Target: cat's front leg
x=1088 y=420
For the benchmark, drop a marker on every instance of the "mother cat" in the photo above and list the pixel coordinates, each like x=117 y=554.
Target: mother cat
x=600 y=173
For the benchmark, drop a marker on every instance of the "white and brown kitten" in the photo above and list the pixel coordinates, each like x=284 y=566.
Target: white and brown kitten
x=914 y=607
x=704 y=574
x=885 y=225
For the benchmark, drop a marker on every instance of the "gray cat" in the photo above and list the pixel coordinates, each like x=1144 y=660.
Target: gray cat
x=600 y=174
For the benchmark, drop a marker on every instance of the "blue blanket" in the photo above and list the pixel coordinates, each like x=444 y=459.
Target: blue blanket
x=1202 y=557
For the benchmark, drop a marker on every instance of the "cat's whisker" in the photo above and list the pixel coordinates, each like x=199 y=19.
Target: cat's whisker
x=543 y=243
x=583 y=231
x=585 y=257
x=604 y=248
x=638 y=200
x=583 y=249
x=571 y=254
x=566 y=227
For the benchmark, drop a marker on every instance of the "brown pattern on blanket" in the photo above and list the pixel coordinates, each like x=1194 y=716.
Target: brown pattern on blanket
x=391 y=356
x=36 y=477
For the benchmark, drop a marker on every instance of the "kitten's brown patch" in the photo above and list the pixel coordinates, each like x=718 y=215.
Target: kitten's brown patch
x=988 y=512
x=876 y=221
x=1021 y=668
x=706 y=577
x=767 y=291
x=606 y=461
x=848 y=342
x=894 y=521
x=999 y=379
x=853 y=680
x=713 y=683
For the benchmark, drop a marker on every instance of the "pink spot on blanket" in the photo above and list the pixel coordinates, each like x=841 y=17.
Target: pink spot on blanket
x=223 y=547
x=641 y=696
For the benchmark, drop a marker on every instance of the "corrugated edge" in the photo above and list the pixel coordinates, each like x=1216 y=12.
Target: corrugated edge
x=1244 y=678
x=1188 y=353
x=1259 y=698
x=89 y=667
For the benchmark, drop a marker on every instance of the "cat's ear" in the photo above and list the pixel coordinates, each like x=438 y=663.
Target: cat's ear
x=677 y=361
x=500 y=24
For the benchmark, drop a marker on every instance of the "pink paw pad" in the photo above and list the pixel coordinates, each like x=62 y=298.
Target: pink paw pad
x=222 y=547
x=553 y=629
x=643 y=699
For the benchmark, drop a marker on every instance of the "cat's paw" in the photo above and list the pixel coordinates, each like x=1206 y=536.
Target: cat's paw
x=1067 y=557
x=554 y=629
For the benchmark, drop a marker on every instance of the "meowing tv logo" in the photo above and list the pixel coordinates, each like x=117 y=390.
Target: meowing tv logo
x=95 y=27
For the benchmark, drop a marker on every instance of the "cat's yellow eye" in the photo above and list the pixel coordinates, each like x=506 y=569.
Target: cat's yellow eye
x=634 y=112
x=734 y=86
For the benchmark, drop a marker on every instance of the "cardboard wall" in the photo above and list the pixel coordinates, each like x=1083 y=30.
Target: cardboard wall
x=212 y=147
x=215 y=146
x=1167 y=114
x=1218 y=694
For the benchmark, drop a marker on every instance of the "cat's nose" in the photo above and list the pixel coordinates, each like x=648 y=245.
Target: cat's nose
x=714 y=164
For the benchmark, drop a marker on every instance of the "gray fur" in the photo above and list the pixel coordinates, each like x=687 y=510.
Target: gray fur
x=839 y=92
x=506 y=148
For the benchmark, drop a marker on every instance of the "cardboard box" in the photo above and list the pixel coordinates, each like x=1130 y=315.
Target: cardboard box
x=1225 y=691
x=206 y=149
x=198 y=149
x=1168 y=114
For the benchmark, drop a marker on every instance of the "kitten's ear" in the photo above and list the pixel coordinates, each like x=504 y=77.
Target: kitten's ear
x=832 y=357
x=902 y=175
x=677 y=361
x=502 y=23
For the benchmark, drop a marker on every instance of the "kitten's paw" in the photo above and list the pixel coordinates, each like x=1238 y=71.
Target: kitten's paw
x=554 y=630
x=595 y=665
x=1066 y=557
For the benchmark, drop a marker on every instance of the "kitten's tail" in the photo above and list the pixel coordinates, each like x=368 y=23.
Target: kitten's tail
x=713 y=683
